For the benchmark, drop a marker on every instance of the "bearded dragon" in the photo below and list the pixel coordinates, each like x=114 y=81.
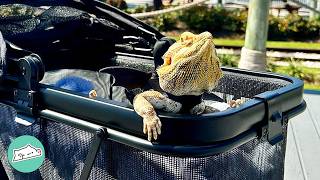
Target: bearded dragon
x=191 y=67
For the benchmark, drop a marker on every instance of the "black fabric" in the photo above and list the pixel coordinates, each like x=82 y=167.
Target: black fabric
x=66 y=148
x=159 y=49
x=29 y=26
x=64 y=37
x=187 y=101
x=127 y=77
x=103 y=83
x=131 y=93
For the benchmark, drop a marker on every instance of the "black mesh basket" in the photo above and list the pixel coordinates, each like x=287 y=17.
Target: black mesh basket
x=102 y=138
x=67 y=148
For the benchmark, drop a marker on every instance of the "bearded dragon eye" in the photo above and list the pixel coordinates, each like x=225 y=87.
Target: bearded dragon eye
x=167 y=61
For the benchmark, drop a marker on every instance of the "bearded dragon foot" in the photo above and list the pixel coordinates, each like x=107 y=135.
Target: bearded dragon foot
x=198 y=109
x=236 y=103
x=93 y=94
x=152 y=127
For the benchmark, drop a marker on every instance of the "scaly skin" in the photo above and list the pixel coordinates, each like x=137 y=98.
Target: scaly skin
x=145 y=104
x=191 y=67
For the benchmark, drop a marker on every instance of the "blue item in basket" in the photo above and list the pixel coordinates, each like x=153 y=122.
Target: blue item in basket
x=75 y=83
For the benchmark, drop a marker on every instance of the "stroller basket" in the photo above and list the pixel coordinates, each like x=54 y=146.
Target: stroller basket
x=102 y=138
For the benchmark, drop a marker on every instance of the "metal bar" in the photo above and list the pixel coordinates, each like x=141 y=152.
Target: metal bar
x=84 y=125
x=142 y=144
x=69 y=120
x=164 y=11
x=92 y=154
x=306 y=6
x=2 y=171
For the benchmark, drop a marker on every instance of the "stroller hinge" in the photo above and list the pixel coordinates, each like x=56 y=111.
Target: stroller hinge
x=274 y=118
x=275 y=133
x=28 y=71
x=24 y=99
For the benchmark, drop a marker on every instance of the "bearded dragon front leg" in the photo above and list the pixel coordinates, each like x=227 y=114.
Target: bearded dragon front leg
x=145 y=104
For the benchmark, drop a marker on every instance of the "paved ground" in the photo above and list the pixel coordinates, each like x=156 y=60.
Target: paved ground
x=303 y=145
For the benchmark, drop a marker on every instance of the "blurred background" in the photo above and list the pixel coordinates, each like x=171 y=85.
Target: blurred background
x=293 y=42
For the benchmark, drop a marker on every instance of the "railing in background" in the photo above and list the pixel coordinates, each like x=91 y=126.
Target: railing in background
x=311 y=5
x=278 y=4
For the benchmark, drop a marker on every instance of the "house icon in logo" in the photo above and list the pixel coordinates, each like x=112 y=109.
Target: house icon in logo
x=25 y=153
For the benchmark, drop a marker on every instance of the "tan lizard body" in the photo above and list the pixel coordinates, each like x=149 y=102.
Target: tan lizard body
x=191 y=67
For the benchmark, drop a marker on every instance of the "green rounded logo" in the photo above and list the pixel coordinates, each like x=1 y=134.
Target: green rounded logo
x=26 y=154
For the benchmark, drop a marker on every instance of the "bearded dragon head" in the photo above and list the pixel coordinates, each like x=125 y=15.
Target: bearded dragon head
x=191 y=66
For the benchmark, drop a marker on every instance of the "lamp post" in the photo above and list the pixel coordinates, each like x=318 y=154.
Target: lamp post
x=253 y=54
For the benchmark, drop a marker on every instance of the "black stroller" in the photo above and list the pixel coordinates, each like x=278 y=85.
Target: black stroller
x=102 y=138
